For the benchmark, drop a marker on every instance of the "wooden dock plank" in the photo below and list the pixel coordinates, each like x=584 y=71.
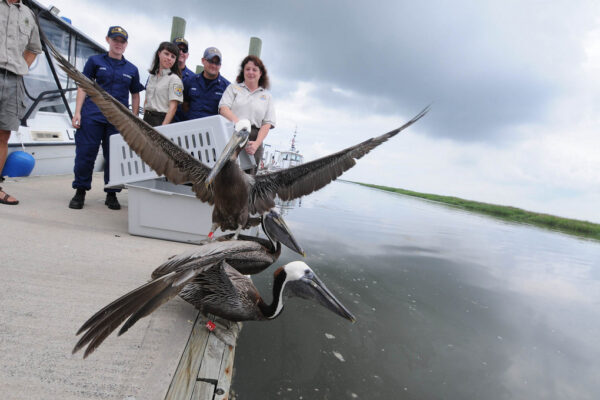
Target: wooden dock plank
x=185 y=375
x=213 y=355
x=203 y=391
x=225 y=374
x=206 y=366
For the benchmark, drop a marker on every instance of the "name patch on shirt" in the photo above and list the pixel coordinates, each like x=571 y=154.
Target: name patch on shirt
x=128 y=76
x=102 y=68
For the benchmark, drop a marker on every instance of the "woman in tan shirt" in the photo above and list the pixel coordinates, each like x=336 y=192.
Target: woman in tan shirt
x=249 y=98
x=164 y=90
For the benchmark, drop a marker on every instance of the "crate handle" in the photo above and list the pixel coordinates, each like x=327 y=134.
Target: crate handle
x=163 y=192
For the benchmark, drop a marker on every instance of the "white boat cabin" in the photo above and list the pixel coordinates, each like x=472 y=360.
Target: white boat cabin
x=46 y=131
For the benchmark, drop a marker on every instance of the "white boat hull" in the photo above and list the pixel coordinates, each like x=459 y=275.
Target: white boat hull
x=50 y=139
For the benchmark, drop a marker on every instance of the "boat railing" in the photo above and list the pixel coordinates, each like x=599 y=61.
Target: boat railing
x=43 y=96
x=74 y=45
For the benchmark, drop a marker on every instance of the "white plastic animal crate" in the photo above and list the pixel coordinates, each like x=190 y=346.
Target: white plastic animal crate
x=163 y=210
x=204 y=138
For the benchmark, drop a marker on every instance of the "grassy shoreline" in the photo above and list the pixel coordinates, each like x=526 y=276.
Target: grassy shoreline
x=571 y=226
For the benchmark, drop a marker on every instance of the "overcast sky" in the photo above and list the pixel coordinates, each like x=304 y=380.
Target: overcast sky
x=514 y=86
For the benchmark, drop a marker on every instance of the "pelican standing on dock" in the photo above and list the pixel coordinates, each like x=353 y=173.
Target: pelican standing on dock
x=249 y=256
x=212 y=278
x=212 y=286
x=235 y=194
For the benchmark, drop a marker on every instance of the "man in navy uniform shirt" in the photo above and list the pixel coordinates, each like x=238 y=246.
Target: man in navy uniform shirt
x=185 y=72
x=118 y=77
x=202 y=92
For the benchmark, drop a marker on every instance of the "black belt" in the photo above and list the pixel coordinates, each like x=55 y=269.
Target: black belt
x=5 y=71
x=150 y=112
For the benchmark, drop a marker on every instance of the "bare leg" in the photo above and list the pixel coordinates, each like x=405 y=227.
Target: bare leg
x=4 y=136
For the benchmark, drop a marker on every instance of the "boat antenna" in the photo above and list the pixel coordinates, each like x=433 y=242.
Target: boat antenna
x=293 y=148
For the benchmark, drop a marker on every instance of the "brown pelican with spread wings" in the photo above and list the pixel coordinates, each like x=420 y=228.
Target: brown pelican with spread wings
x=234 y=194
x=213 y=278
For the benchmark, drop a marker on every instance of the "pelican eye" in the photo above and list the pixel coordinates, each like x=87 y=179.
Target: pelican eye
x=307 y=272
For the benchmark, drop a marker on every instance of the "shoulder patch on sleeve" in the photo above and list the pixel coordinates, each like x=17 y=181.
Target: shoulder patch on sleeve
x=178 y=90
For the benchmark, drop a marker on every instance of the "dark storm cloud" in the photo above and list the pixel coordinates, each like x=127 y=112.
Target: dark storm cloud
x=487 y=66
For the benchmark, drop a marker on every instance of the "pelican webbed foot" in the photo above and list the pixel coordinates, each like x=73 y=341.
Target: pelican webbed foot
x=224 y=330
x=237 y=232
x=213 y=228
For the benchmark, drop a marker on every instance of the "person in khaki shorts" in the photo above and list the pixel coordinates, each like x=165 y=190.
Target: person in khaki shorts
x=19 y=45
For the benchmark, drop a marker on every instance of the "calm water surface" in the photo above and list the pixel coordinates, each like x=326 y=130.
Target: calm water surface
x=450 y=305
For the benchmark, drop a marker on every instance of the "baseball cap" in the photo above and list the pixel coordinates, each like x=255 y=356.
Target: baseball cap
x=181 y=42
x=211 y=53
x=115 y=31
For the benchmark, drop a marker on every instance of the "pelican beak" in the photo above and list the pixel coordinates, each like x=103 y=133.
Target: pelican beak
x=315 y=289
x=279 y=231
x=238 y=141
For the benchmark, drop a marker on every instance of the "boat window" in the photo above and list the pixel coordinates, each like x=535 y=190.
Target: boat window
x=84 y=51
x=40 y=79
x=39 y=82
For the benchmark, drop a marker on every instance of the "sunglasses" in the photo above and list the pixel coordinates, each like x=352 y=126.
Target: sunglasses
x=214 y=62
x=183 y=49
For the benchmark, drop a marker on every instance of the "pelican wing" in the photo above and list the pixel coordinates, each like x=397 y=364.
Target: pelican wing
x=212 y=252
x=228 y=294
x=162 y=155
x=134 y=305
x=306 y=178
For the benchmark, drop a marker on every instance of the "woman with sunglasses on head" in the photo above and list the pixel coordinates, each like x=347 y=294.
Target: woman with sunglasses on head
x=164 y=90
x=249 y=99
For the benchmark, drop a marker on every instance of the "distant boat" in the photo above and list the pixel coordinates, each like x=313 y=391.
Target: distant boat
x=281 y=159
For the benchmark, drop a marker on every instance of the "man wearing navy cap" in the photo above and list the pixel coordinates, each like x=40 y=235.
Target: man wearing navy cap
x=185 y=72
x=119 y=78
x=202 y=92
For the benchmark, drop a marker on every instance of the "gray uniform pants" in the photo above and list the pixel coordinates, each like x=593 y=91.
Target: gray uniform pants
x=259 y=151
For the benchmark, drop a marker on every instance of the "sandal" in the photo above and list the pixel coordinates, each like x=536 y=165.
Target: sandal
x=4 y=199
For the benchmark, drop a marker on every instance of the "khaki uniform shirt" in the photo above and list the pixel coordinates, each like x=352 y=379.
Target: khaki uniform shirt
x=256 y=106
x=18 y=32
x=161 y=89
